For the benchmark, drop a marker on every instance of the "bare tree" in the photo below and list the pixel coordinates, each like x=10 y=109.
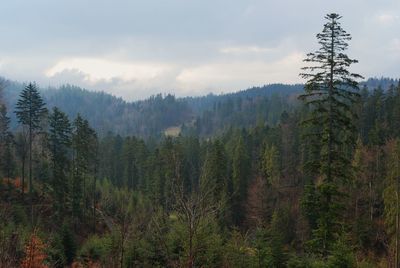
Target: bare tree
x=192 y=208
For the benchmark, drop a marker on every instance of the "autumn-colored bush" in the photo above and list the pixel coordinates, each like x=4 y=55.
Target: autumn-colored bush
x=17 y=183
x=34 y=253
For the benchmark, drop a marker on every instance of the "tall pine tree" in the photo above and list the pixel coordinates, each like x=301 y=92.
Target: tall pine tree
x=240 y=180
x=30 y=110
x=84 y=143
x=59 y=142
x=391 y=198
x=7 y=163
x=331 y=91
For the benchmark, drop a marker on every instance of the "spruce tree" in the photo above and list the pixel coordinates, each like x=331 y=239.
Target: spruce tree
x=240 y=180
x=4 y=122
x=84 y=142
x=7 y=163
x=130 y=162
x=391 y=198
x=215 y=172
x=270 y=165
x=59 y=142
x=30 y=110
x=215 y=176
x=331 y=91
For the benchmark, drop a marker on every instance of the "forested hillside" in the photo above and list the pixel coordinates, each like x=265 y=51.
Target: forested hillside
x=203 y=116
x=276 y=176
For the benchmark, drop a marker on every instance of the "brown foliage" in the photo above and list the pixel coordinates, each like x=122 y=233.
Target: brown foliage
x=34 y=253
x=16 y=183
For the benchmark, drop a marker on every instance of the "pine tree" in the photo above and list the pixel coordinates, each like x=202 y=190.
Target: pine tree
x=130 y=163
x=270 y=165
x=214 y=175
x=68 y=243
x=240 y=180
x=331 y=91
x=84 y=144
x=310 y=204
x=59 y=142
x=7 y=163
x=360 y=209
x=391 y=197
x=4 y=123
x=396 y=112
x=30 y=110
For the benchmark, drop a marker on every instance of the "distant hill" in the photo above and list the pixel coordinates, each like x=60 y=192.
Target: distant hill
x=382 y=82
x=107 y=113
x=153 y=116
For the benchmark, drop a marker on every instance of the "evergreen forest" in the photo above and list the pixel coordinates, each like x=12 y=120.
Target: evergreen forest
x=304 y=175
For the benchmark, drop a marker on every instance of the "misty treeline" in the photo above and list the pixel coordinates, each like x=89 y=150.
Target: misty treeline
x=147 y=119
x=313 y=184
x=203 y=116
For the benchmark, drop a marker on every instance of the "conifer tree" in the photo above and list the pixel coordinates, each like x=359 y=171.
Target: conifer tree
x=270 y=165
x=59 y=141
x=391 y=197
x=240 y=180
x=5 y=139
x=84 y=142
x=7 y=163
x=396 y=112
x=331 y=91
x=30 y=110
x=214 y=173
x=4 y=122
x=130 y=162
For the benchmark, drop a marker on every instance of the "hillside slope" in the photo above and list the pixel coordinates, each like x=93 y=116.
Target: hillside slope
x=204 y=115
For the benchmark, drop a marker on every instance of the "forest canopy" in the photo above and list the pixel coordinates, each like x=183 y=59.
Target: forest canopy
x=274 y=176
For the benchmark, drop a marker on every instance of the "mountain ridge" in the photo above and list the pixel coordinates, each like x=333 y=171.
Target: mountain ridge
x=152 y=116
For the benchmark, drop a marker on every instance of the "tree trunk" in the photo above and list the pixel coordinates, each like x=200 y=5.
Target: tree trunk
x=370 y=200
x=123 y=230
x=30 y=173
x=23 y=178
x=191 y=257
x=94 y=203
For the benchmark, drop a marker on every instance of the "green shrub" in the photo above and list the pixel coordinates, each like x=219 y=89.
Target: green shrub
x=96 y=248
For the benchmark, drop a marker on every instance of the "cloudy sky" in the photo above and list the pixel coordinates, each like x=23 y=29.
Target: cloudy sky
x=134 y=49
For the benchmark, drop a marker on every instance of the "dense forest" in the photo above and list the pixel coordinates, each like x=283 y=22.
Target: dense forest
x=277 y=176
x=150 y=118
x=153 y=117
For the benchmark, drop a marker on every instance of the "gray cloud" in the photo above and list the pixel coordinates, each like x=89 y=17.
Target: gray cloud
x=137 y=48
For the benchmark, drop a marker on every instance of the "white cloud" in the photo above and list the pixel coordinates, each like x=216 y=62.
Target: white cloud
x=387 y=18
x=231 y=76
x=133 y=80
x=137 y=48
x=95 y=69
x=245 y=49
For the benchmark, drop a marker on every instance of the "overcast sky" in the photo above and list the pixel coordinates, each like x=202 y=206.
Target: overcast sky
x=134 y=49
